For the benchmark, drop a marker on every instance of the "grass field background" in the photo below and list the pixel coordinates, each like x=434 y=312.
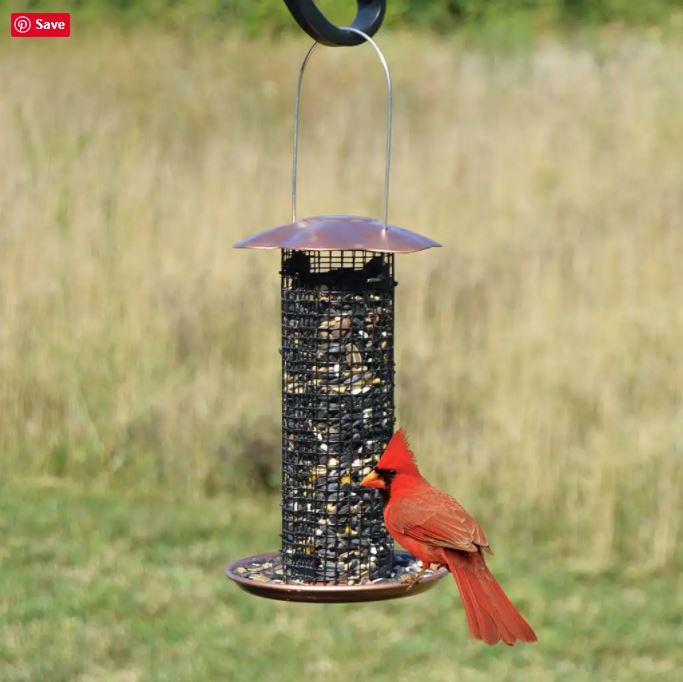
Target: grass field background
x=539 y=371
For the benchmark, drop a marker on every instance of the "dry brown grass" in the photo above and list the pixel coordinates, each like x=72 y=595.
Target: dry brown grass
x=539 y=356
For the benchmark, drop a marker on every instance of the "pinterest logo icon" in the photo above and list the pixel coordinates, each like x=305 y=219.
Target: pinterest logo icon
x=21 y=23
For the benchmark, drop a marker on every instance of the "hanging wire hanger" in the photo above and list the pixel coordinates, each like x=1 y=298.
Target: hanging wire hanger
x=387 y=147
x=339 y=232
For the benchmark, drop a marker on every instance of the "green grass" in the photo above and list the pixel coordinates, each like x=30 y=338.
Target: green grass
x=97 y=586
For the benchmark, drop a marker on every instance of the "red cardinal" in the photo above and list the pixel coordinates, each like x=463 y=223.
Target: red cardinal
x=434 y=527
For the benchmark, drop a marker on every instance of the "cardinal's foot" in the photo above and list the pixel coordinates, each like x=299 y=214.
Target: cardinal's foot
x=412 y=579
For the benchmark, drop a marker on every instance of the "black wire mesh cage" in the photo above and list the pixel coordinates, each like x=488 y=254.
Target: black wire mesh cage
x=337 y=412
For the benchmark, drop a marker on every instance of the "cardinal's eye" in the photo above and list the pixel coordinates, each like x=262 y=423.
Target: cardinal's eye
x=392 y=472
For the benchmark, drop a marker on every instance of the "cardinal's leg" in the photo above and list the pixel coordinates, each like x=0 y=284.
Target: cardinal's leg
x=414 y=578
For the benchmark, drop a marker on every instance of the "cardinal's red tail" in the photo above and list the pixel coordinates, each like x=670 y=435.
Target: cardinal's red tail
x=490 y=614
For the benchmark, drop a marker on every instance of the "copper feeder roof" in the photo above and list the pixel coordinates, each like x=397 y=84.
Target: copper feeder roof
x=338 y=233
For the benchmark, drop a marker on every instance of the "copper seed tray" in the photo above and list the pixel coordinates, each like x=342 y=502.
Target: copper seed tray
x=391 y=588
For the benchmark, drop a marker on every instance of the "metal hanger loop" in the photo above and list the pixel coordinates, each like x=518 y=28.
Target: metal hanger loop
x=297 y=107
x=369 y=17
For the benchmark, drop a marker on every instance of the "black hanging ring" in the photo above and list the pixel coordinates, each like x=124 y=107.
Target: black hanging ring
x=368 y=20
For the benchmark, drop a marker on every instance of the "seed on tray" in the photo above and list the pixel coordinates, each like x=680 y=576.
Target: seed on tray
x=271 y=571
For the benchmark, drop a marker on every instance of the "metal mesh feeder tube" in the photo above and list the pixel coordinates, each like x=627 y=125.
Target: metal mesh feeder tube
x=338 y=412
x=337 y=351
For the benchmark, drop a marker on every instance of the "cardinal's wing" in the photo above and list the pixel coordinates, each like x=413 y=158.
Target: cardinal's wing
x=435 y=518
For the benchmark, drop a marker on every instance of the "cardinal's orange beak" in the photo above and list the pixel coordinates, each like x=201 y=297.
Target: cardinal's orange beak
x=372 y=480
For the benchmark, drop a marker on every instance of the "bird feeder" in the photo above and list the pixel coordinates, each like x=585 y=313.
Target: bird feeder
x=337 y=285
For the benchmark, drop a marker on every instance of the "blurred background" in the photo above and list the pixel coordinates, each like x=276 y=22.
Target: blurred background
x=539 y=361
